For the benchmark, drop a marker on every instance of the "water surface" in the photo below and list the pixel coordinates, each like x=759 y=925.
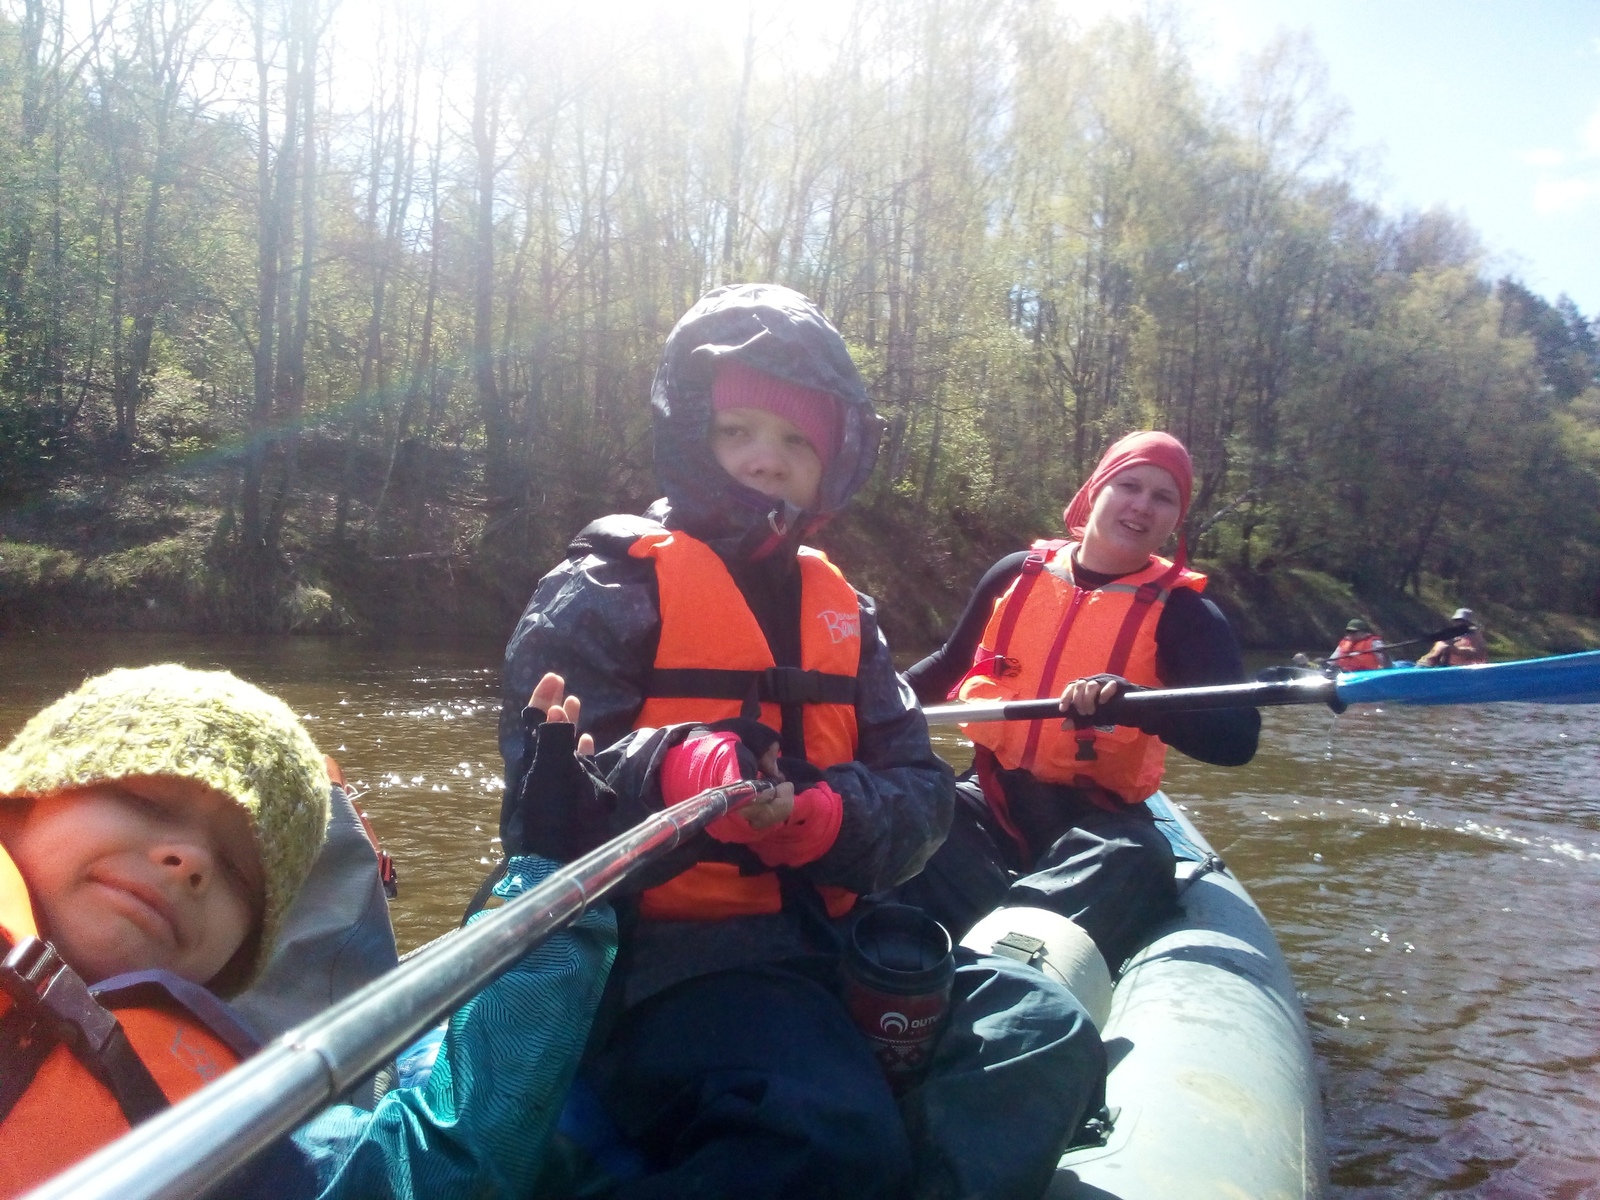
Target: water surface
x=1432 y=875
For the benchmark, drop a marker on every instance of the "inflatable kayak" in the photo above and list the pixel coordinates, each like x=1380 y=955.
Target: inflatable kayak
x=1212 y=1090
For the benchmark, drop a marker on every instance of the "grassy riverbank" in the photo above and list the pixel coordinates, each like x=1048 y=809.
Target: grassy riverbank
x=147 y=555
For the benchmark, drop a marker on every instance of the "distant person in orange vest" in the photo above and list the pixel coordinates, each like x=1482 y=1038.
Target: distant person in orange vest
x=710 y=644
x=1053 y=813
x=1360 y=649
x=1464 y=649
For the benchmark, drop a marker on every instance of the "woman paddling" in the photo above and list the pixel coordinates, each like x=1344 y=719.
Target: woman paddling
x=1053 y=813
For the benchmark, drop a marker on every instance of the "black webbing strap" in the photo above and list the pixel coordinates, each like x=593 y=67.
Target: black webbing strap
x=24 y=1045
x=50 y=997
x=775 y=685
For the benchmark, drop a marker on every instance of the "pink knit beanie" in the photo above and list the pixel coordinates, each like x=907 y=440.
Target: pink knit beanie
x=813 y=413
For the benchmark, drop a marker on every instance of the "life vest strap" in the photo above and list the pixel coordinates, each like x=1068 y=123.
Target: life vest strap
x=45 y=990
x=774 y=685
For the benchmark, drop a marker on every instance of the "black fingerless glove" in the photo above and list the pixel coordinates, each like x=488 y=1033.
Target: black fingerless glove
x=563 y=808
x=1106 y=714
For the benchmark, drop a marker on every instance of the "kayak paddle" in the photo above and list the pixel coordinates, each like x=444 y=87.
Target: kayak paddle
x=1564 y=679
x=190 y=1148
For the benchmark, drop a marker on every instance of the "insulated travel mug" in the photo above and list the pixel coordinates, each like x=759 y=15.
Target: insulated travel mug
x=896 y=972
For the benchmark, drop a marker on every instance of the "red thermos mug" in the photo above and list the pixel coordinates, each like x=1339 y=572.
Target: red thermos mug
x=897 y=969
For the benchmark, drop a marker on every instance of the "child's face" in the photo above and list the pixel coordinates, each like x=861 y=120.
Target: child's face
x=143 y=873
x=768 y=453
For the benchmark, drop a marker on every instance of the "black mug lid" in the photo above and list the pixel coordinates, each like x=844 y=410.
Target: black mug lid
x=900 y=949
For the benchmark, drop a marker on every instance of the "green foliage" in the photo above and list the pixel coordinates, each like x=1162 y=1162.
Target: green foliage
x=374 y=331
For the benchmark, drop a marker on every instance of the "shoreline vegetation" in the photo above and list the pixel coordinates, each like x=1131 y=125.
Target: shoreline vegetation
x=344 y=319
x=170 y=583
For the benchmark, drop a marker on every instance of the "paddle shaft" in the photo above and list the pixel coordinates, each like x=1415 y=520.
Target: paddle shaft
x=188 y=1149
x=1562 y=679
x=1127 y=708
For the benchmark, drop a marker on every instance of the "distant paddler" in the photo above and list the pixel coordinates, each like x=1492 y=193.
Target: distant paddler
x=1360 y=649
x=1460 y=648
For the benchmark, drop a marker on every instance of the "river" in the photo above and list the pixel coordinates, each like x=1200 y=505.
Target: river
x=1431 y=874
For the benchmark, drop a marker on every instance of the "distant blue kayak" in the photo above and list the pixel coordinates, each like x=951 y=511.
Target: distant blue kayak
x=1561 y=679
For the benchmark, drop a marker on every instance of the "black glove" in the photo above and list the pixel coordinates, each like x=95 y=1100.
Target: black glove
x=1106 y=714
x=563 y=807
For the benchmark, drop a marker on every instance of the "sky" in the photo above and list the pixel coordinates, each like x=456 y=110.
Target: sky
x=1489 y=108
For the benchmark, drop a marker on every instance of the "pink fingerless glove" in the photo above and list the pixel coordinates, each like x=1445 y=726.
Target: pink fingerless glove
x=701 y=763
x=808 y=833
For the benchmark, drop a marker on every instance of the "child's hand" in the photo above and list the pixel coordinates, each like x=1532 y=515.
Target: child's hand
x=722 y=757
x=762 y=815
x=547 y=695
x=563 y=806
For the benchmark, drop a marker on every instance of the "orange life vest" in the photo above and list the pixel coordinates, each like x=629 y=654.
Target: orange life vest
x=68 y=1108
x=713 y=662
x=1358 y=653
x=1045 y=632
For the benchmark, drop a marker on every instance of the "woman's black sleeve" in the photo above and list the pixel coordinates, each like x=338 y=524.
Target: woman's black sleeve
x=933 y=677
x=1195 y=647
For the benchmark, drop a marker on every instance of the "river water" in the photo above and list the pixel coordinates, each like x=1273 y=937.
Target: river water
x=1432 y=875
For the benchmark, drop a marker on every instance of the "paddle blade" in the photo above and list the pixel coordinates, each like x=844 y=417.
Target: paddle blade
x=1563 y=679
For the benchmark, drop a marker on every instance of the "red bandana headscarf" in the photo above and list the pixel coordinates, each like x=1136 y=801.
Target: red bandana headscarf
x=1149 y=447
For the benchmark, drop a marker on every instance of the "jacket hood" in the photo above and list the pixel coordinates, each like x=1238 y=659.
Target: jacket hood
x=779 y=332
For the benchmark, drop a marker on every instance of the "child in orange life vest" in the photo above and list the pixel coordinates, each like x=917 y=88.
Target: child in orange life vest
x=1360 y=649
x=1053 y=816
x=155 y=822
x=156 y=825
x=707 y=644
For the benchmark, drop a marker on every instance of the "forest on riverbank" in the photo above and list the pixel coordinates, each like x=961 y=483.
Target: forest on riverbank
x=327 y=316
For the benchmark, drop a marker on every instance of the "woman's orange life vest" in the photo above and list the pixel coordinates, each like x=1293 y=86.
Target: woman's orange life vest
x=713 y=662
x=1045 y=632
x=67 y=1112
x=1358 y=652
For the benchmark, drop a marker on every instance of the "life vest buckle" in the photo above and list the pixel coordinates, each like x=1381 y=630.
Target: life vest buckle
x=1005 y=666
x=38 y=981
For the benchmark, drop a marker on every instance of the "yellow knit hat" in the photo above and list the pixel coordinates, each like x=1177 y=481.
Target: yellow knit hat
x=208 y=726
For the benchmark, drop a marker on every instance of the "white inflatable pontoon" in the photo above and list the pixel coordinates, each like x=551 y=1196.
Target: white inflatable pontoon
x=1213 y=1090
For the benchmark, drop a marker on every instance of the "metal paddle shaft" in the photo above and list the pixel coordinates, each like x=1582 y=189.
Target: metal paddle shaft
x=1313 y=689
x=193 y=1145
x=1563 y=679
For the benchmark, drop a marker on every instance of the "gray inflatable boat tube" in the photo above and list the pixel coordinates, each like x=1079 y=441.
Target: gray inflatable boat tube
x=1213 y=1089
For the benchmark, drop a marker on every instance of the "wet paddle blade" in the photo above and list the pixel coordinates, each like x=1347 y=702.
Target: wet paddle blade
x=1564 y=679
